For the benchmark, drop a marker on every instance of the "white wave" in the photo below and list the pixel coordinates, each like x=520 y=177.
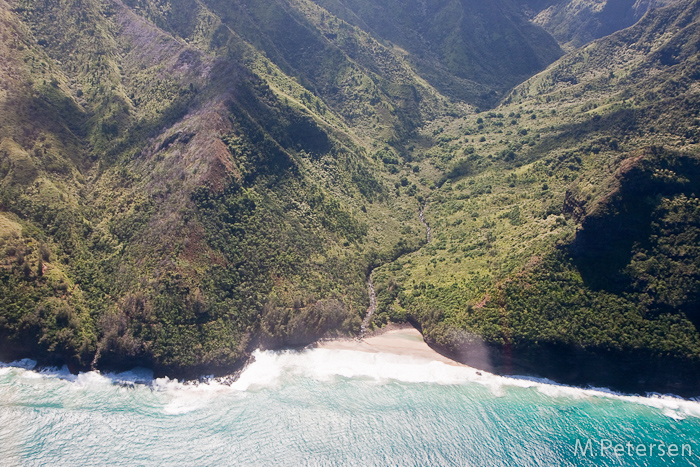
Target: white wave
x=326 y=364
x=270 y=369
x=25 y=363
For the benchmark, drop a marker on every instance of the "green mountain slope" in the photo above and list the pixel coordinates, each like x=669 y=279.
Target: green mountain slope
x=565 y=223
x=470 y=50
x=183 y=181
x=576 y=23
x=173 y=205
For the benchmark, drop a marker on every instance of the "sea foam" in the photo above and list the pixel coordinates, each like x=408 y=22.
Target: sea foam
x=270 y=369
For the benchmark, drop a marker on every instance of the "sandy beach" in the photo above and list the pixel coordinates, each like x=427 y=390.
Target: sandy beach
x=400 y=341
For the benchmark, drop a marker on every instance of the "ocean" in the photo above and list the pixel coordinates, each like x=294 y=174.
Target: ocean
x=324 y=407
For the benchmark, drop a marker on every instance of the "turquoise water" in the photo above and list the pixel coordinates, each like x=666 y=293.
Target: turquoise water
x=331 y=407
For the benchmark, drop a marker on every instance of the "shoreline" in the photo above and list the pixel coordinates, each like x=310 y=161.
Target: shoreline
x=397 y=339
x=400 y=339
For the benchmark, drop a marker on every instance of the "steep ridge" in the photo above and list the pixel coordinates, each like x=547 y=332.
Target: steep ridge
x=184 y=181
x=566 y=220
x=576 y=23
x=368 y=84
x=216 y=211
x=43 y=162
x=204 y=177
x=469 y=50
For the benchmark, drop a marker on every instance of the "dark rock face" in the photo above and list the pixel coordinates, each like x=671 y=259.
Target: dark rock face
x=632 y=220
x=627 y=372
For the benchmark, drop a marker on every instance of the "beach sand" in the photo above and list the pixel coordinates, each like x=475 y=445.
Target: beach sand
x=399 y=341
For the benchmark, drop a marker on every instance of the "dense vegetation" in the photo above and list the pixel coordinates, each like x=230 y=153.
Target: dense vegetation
x=174 y=193
x=575 y=23
x=565 y=220
x=182 y=181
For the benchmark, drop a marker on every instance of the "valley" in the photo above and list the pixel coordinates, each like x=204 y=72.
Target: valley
x=185 y=181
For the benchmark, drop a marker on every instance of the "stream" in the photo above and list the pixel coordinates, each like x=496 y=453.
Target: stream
x=370 y=285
